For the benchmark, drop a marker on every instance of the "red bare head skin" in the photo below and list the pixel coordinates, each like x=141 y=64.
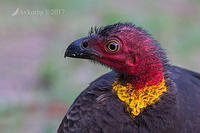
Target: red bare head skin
x=138 y=58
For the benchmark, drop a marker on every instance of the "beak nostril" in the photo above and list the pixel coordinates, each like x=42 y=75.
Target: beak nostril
x=85 y=44
x=134 y=60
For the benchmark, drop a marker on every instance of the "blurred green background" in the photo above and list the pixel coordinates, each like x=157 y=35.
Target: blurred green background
x=37 y=84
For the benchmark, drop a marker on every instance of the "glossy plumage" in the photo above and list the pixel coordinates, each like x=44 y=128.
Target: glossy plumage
x=98 y=110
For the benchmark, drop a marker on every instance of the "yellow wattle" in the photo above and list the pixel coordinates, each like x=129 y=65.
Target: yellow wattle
x=138 y=99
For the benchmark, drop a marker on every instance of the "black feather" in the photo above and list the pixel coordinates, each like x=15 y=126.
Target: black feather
x=98 y=110
x=177 y=111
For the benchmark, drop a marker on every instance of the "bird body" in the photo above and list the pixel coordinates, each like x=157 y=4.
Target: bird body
x=143 y=93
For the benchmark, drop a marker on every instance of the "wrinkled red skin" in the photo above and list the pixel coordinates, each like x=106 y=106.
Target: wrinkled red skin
x=147 y=66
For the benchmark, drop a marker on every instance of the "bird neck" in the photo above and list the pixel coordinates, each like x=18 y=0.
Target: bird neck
x=137 y=99
x=140 y=82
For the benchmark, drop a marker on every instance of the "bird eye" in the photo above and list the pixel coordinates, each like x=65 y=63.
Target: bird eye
x=85 y=44
x=112 y=46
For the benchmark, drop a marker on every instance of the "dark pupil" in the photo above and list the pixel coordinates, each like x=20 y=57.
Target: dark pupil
x=85 y=44
x=112 y=46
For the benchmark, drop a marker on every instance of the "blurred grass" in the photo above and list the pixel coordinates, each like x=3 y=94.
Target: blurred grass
x=58 y=81
x=12 y=116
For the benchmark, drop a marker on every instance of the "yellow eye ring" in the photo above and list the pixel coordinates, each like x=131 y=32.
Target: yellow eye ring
x=112 y=46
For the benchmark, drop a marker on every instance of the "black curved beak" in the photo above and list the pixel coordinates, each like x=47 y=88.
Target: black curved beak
x=77 y=50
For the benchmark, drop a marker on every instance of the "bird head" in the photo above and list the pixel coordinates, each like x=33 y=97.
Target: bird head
x=126 y=48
